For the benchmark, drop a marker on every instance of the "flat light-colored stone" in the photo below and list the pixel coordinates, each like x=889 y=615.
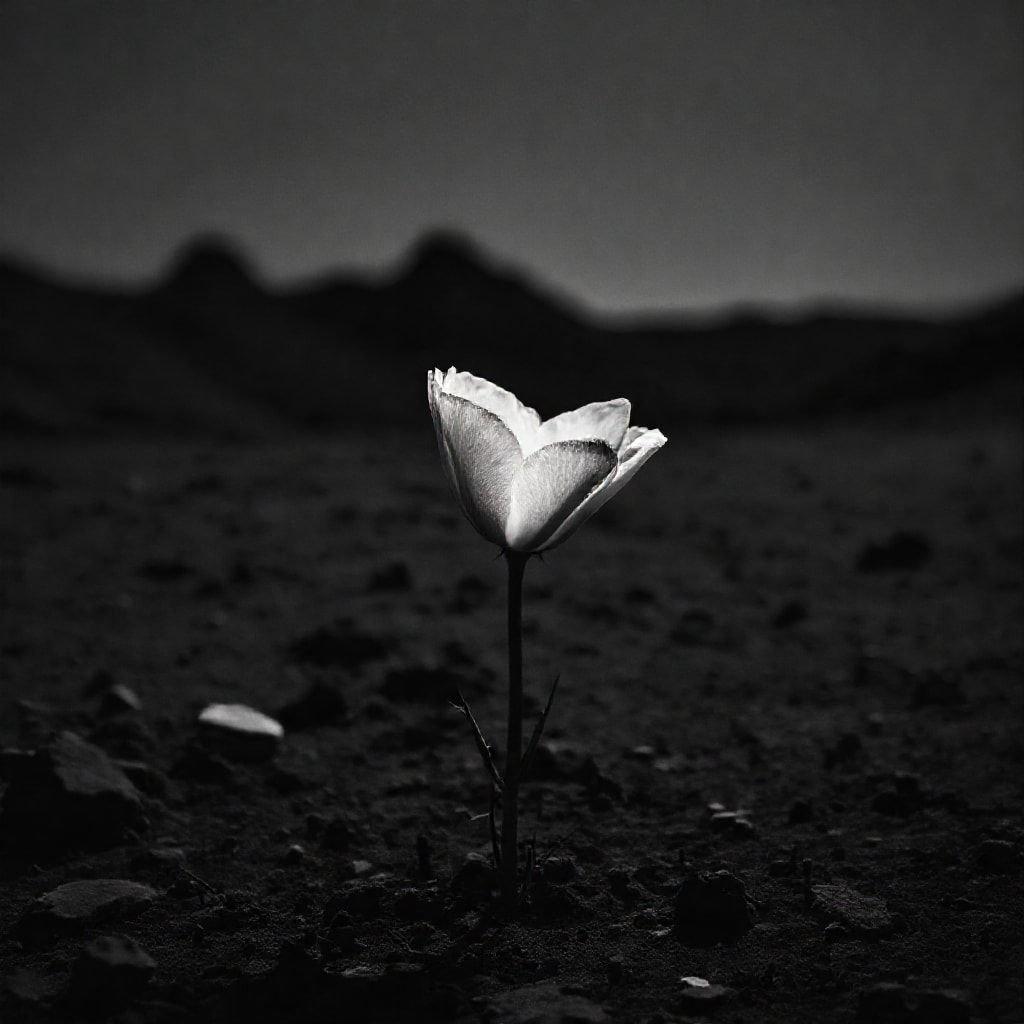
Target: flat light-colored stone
x=702 y=998
x=241 y=718
x=241 y=732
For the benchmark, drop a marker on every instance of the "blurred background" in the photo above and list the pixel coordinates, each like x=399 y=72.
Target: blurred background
x=260 y=217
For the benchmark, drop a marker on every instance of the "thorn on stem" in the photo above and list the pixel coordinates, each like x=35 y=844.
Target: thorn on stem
x=481 y=743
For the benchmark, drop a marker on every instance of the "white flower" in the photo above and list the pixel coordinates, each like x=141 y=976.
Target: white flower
x=525 y=484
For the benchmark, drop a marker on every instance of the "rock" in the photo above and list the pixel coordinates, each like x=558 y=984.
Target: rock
x=76 y=905
x=905 y=550
x=240 y=732
x=997 y=855
x=543 y=1003
x=295 y=854
x=710 y=908
x=161 y=858
x=698 y=995
x=734 y=823
x=475 y=876
x=553 y=762
x=119 y=699
x=109 y=972
x=643 y=752
x=69 y=792
x=144 y=777
x=340 y=645
x=891 y=1003
x=321 y=704
x=862 y=915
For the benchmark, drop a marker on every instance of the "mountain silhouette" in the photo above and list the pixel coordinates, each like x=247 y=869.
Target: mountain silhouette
x=211 y=348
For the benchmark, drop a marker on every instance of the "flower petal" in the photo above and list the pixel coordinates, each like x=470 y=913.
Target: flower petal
x=550 y=484
x=435 y=380
x=604 y=421
x=631 y=435
x=635 y=453
x=520 y=419
x=482 y=457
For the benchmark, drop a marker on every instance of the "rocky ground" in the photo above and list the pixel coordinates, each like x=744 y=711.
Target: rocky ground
x=781 y=780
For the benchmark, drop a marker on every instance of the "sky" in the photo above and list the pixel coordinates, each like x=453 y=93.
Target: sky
x=636 y=156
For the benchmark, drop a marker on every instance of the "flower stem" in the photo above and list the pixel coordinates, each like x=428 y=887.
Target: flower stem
x=514 y=741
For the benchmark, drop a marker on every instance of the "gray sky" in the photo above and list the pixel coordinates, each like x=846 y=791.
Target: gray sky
x=636 y=155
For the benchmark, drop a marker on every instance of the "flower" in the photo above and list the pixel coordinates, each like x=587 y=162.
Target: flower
x=525 y=484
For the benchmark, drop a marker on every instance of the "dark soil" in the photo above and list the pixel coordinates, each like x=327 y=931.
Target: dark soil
x=792 y=656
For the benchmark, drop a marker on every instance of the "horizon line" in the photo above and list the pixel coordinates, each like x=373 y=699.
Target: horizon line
x=654 y=317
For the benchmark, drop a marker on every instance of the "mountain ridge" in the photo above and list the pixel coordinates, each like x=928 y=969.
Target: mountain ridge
x=211 y=347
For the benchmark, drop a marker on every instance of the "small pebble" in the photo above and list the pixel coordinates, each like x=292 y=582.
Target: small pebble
x=295 y=854
x=119 y=699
